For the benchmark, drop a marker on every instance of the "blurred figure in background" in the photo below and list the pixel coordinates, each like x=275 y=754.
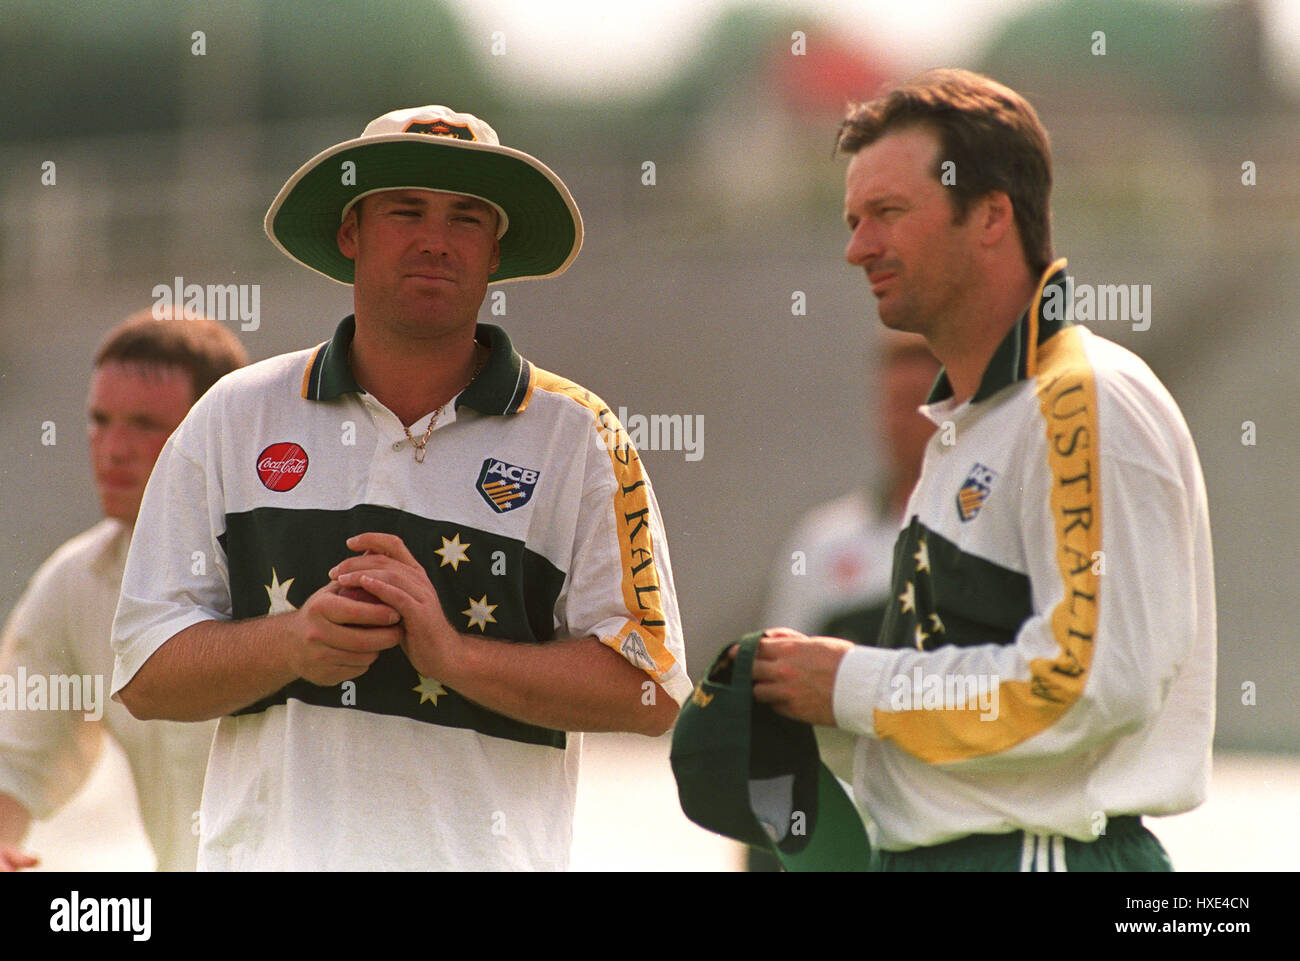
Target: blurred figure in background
x=832 y=577
x=147 y=373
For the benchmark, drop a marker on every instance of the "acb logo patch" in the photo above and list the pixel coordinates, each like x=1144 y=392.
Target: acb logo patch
x=440 y=128
x=974 y=491
x=504 y=486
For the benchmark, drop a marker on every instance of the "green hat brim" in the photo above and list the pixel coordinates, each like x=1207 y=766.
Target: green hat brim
x=544 y=232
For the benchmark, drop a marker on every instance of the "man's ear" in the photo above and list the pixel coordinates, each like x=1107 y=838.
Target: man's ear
x=347 y=235
x=996 y=216
x=495 y=262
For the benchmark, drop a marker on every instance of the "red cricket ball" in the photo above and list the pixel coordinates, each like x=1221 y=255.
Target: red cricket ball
x=359 y=594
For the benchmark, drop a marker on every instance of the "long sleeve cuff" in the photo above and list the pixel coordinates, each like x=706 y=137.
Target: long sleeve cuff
x=858 y=684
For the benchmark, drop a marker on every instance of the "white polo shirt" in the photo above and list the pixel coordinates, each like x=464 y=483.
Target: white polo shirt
x=535 y=521
x=60 y=628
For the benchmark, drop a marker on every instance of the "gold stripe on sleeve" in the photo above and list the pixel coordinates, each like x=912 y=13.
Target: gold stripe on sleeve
x=640 y=577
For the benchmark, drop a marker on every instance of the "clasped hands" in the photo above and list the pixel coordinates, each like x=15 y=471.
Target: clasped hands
x=339 y=637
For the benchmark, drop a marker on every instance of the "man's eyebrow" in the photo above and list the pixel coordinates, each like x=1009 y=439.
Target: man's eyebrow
x=415 y=200
x=875 y=200
x=391 y=201
x=471 y=203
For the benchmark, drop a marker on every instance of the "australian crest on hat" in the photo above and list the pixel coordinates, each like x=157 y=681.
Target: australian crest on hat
x=429 y=148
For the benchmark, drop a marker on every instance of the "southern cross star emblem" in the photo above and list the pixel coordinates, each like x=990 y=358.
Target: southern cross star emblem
x=908 y=597
x=480 y=613
x=922 y=557
x=279 y=595
x=429 y=690
x=453 y=552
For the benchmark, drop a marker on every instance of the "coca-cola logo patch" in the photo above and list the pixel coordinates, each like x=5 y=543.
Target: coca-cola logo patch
x=282 y=466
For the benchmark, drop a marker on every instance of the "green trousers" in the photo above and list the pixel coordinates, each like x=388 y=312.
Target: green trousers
x=1126 y=846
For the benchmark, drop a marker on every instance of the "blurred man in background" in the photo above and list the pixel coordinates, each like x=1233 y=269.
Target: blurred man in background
x=833 y=575
x=147 y=374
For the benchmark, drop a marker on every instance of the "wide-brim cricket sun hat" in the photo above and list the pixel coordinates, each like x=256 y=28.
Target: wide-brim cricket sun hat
x=746 y=772
x=429 y=148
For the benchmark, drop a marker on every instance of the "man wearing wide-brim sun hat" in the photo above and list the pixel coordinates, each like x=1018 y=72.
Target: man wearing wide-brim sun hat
x=427 y=562
x=430 y=148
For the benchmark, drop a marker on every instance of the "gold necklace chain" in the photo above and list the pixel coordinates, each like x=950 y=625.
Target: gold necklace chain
x=420 y=444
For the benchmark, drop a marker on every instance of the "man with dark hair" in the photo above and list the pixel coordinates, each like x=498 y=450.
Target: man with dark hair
x=989 y=137
x=1045 y=672
x=147 y=373
x=430 y=562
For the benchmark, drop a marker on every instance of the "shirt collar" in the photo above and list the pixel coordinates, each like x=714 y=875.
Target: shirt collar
x=503 y=386
x=1016 y=357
